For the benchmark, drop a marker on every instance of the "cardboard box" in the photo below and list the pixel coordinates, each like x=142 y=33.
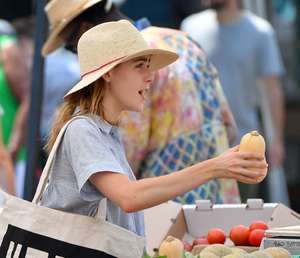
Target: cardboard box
x=286 y=237
x=190 y=221
x=290 y=244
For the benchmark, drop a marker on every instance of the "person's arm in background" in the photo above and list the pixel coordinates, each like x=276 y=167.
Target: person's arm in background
x=271 y=68
x=17 y=75
x=6 y=166
x=275 y=101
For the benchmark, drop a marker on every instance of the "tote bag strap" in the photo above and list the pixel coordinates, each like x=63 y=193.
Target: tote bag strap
x=48 y=167
x=101 y=213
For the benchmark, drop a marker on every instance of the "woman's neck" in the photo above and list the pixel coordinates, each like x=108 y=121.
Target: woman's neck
x=111 y=111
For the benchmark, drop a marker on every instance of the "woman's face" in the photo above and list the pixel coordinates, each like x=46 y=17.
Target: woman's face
x=130 y=83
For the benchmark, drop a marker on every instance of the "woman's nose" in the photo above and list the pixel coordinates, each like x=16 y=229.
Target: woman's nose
x=149 y=78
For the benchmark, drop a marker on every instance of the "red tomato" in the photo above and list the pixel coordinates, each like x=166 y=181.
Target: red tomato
x=216 y=236
x=187 y=247
x=200 y=241
x=258 y=224
x=239 y=235
x=256 y=236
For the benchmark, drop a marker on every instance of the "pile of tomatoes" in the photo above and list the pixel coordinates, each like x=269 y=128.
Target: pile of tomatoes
x=240 y=235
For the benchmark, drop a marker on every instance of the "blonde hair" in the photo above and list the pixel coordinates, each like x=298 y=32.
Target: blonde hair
x=89 y=100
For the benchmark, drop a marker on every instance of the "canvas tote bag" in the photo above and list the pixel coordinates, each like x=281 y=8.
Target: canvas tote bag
x=30 y=230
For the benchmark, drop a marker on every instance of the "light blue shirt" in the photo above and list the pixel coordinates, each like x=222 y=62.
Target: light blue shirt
x=242 y=51
x=90 y=145
x=61 y=73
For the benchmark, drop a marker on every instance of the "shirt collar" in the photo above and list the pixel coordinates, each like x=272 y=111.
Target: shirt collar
x=101 y=123
x=104 y=125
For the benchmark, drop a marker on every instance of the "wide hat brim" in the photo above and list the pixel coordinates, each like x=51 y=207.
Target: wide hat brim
x=159 y=59
x=55 y=39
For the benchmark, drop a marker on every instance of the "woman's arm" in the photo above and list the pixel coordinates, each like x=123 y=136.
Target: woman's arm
x=132 y=196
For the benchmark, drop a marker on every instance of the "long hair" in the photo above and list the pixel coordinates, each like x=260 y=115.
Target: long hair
x=88 y=100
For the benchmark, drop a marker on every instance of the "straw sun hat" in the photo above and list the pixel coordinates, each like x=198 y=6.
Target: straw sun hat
x=106 y=45
x=60 y=13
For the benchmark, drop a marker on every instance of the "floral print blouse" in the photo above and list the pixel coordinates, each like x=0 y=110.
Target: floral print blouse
x=181 y=123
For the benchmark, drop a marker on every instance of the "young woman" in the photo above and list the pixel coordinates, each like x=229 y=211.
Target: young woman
x=117 y=69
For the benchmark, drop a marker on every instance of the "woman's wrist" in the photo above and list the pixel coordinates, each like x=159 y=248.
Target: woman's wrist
x=214 y=168
x=209 y=167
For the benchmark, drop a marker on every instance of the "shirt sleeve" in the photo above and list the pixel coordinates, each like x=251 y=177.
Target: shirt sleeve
x=270 y=62
x=88 y=153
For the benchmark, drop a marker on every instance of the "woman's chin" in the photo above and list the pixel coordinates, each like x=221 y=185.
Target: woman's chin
x=138 y=108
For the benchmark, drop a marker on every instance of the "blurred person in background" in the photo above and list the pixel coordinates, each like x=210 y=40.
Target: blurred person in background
x=6 y=28
x=7 y=182
x=167 y=13
x=14 y=89
x=186 y=116
x=244 y=49
x=61 y=73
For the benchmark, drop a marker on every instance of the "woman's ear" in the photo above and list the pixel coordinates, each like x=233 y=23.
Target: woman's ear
x=107 y=77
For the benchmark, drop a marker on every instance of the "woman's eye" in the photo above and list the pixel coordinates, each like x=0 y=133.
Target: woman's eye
x=140 y=65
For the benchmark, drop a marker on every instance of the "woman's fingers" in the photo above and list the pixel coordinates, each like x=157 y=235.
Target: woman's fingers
x=253 y=164
x=248 y=180
x=246 y=177
x=243 y=178
x=243 y=166
x=254 y=175
x=235 y=148
x=251 y=156
x=247 y=172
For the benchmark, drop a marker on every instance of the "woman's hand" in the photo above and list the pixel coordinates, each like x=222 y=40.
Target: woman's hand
x=246 y=167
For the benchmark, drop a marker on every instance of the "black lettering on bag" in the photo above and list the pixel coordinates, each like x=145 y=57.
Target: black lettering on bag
x=52 y=247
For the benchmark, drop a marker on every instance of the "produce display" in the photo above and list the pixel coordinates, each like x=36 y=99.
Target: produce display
x=240 y=241
x=216 y=244
x=171 y=248
x=240 y=235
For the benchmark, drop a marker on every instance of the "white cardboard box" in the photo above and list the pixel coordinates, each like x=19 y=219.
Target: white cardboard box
x=190 y=221
x=286 y=237
x=290 y=244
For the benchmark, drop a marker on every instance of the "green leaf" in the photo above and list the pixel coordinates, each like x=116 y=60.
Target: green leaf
x=189 y=255
x=145 y=255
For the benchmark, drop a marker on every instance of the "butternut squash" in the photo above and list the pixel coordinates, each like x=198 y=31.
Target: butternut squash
x=253 y=142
